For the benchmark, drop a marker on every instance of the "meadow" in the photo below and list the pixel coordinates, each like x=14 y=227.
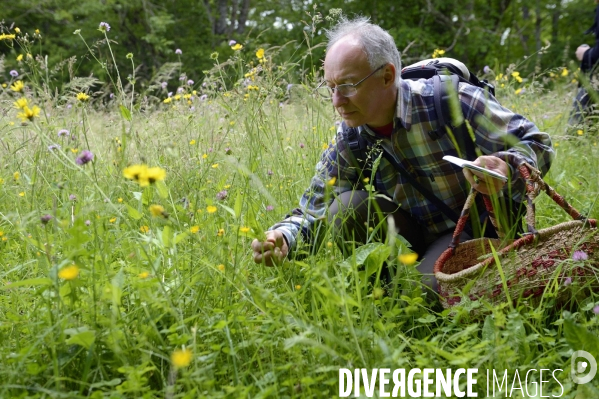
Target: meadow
x=126 y=216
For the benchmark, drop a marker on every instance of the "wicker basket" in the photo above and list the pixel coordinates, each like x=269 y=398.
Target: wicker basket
x=539 y=261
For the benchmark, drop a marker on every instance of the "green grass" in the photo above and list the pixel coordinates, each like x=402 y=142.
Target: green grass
x=151 y=285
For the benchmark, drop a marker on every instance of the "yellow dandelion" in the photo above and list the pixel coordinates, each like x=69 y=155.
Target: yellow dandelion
x=214 y=166
x=298 y=287
x=565 y=72
x=82 y=97
x=260 y=53
x=221 y=267
x=211 y=209
x=156 y=210
x=1 y=233
x=177 y=97
x=204 y=156
x=408 y=259
x=16 y=175
x=22 y=194
x=74 y=150
x=167 y=100
x=37 y=31
x=17 y=30
x=27 y=114
x=237 y=47
x=112 y=220
x=329 y=244
x=232 y=123
x=20 y=57
x=69 y=272
x=4 y=36
x=221 y=232
x=120 y=200
x=143 y=275
x=20 y=103
x=144 y=229
x=244 y=229
x=181 y=358
x=192 y=142
x=332 y=181
x=194 y=229
x=579 y=132
x=17 y=86
x=154 y=174
x=325 y=146
x=518 y=91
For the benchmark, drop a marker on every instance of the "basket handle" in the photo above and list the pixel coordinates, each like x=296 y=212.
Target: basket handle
x=534 y=184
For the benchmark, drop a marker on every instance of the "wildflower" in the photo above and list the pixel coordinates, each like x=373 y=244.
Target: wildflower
x=104 y=27
x=568 y=281
x=82 y=97
x=129 y=56
x=17 y=86
x=17 y=30
x=74 y=150
x=20 y=103
x=486 y=69
x=72 y=197
x=29 y=113
x=144 y=229
x=85 y=157
x=579 y=132
x=167 y=100
x=16 y=176
x=269 y=208
x=37 y=31
x=22 y=194
x=221 y=267
x=298 y=287
x=211 y=209
x=408 y=259
x=194 y=229
x=14 y=73
x=20 y=57
x=269 y=172
x=580 y=256
x=154 y=174
x=221 y=195
x=260 y=53
x=88 y=222
x=565 y=72
x=120 y=200
x=46 y=218
x=190 y=82
x=192 y=142
x=181 y=358
x=5 y=36
x=220 y=233
x=596 y=309
x=53 y=147
x=214 y=166
x=156 y=210
x=244 y=229
x=518 y=91
x=178 y=51
x=232 y=42
x=301 y=145
x=143 y=275
x=203 y=97
x=237 y=47
x=112 y=220
x=332 y=181
x=63 y=132
x=144 y=175
x=69 y=273
x=204 y=156
x=438 y=52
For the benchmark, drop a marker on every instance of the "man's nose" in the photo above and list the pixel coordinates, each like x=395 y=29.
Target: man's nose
x=338 y=99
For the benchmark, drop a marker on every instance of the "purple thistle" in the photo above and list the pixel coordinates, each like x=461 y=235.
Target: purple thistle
x=72 y=197
x=232 y=42
x=269 y=208
x=85 y=157
x=190 y=82
x=228 y=151
x=486 y=69
x=580 y=255
x=104 y=27
x=269 y=172
x=203 y=97
x=52 y=147
x=301 y=145
x=596 y=309
x=46 y=218
x=178 y=51
x=221 y=195
x=63 y=132
x=14 y=73
x=568 y=281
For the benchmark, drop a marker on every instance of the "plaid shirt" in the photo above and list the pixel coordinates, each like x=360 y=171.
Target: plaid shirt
x=498 y=131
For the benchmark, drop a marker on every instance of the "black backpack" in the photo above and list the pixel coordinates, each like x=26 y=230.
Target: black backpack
x=446 y=74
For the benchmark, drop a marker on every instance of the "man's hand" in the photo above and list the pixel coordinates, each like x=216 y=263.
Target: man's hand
x=486 y=184
x=272 y=251
x=581 y=50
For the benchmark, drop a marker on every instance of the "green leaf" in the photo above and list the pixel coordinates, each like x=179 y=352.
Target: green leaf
x=84 y=339
x=579 y=338
x=238 y=204
x=361 y=253
x=167 y=236
x=180 y=237
x=146 y=196
x=257 y=230
x=162 y=189
x=226 y=208
x=134 y=213
x=489 y=329
x=375 y=259
x=29 y=282
x=125 y=113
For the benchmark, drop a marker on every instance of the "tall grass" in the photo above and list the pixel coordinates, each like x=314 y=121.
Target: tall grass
x=172 y=305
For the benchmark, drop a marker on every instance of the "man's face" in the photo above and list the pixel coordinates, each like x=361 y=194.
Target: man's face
x=374 y=102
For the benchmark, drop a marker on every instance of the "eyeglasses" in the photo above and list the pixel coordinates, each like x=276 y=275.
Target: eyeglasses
x=346 y=90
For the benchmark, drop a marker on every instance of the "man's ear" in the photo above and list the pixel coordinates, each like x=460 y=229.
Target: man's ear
x=389 y=74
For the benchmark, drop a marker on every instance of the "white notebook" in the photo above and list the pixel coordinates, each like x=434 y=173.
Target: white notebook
x=469 y=165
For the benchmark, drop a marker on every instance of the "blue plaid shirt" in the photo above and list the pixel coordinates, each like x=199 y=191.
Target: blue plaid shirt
x=421 y=155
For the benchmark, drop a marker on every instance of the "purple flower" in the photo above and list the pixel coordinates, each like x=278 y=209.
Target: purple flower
x=568 y=281
x=85 y=157
x=228 y=151
x=580 y=255
x=53 y=147
x=190 y=82
x=104 y=27
x=204 y=84
x=596 y=309
x=269 y=172
x=210 y=149
x=269 y=208
x=111 y=95
x=301 y=145
x=192 y=108
x=46 y=218
x=14 y=73
x=163 y=85
x=232 y=42
x=63 y=132
x=203 y=97
x=72 y=197
x=87 y=222
x=178 y=51
x=221 y=195
x=289 y=86
x=69 y=106
x=180 y=90
x=170 y=93
x=486 y=69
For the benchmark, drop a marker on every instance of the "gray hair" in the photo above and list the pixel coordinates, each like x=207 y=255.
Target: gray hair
x=378 y=44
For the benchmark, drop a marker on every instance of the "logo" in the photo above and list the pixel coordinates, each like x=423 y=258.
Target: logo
x=580 y=367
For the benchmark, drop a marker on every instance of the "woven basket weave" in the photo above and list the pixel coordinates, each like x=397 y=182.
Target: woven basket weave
x=538 y=261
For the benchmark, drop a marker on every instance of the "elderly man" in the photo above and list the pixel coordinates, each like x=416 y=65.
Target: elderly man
x=362 y=77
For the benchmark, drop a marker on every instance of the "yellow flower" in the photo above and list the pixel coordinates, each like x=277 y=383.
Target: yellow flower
x=211 y=209
x=214 y=166
x=154 y=174
x=260 y=53
x=332 y=181
x=4 y=36
x=232 y=123
x=112 y=220
x=28 y=113
x=181 y=358
x=177 y=97
x=192 y=142
x=518 y=91
x=17 y=30
x=74 y=150
x=204 y=156
x=143 y=175
x=156 y=210
x=221 y=232
x=17 y=86
x=82 y=97
x=144 y=229
x=237 y=47
x=16 y=175
x=438 y=53
x=194 y=229
x=37 y=31
x=408 y=259
x=325 y=146
x=22 y=194
x=143 y=275
x=167 y=100
x=69 y=273
x=20 y=57
x=1 y=233
x=298 y=287
x=565 y=72
x=20 y=103
x=120 y=200
x=221 y=267
x=244 y=229
x=579 y=132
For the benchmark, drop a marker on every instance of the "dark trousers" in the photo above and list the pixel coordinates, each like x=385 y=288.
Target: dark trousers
x=580 y=107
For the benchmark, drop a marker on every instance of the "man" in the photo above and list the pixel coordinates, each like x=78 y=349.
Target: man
x=362 y=76
x=588 y=57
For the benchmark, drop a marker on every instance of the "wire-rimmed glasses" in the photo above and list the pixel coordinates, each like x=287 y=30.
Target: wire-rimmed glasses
x=346 y=90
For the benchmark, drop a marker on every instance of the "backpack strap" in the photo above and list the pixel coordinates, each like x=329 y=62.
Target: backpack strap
x=359 y=150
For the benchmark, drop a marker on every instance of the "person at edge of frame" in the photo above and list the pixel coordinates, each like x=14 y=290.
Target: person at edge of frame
x=362 y=78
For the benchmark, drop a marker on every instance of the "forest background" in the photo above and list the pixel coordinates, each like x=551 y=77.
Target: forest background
x=544 y=33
